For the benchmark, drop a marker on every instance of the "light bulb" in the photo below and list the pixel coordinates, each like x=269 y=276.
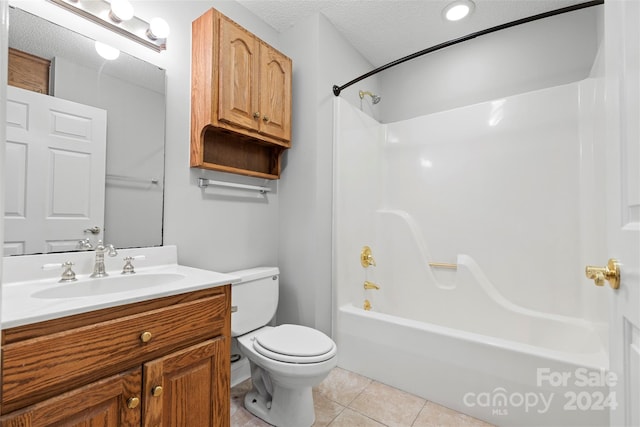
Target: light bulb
x=121 y=10
x=106 y=51
x=158 y=29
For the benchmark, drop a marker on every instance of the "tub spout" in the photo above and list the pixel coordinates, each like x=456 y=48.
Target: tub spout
x=370 y=285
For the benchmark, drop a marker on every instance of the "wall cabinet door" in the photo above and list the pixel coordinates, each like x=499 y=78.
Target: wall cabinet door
x=188 y=387
x=275 y=93
x=238 y=75
x=111 y=402
x=254 y=83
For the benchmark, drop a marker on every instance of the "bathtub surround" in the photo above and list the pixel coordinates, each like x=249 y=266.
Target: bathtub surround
x=496 y=198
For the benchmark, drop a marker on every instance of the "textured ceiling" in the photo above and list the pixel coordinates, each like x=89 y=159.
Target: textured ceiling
x=386 y=30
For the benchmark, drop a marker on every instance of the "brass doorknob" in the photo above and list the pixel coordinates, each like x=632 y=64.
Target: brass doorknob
x=256 y=115
x=145 y=336
x=265 y=119
x=133 y=402
x=610 y=273
x=156 y=391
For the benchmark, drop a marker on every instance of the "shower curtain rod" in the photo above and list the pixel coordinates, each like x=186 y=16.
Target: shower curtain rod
x=337 y=89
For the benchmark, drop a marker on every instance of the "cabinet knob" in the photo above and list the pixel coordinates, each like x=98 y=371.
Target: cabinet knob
x=156 y=391
x=256 y=115
x=145 y=336
x=133 y=402
x=265 y=119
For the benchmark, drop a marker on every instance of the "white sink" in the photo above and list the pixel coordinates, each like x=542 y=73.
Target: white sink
x=107 y=285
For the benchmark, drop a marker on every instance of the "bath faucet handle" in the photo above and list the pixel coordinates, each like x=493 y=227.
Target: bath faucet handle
x=366 y=258
x=68 y=275
x=370 y=285
x=128 y=266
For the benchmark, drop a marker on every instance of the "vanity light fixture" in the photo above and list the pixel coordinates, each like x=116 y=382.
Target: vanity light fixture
x=121 y=10
x=158 y=29
x=118 y=16
x=458 y=10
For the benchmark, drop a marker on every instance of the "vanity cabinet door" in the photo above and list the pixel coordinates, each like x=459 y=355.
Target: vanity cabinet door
x=111 y=402
x=189 y=387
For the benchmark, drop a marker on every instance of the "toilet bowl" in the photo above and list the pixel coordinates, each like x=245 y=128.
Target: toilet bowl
x=286 y=361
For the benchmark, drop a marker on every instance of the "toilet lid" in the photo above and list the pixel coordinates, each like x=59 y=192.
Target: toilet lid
x=295 y=344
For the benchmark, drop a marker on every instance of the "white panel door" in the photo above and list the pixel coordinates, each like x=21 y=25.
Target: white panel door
x=55 y=172
x=622 y=36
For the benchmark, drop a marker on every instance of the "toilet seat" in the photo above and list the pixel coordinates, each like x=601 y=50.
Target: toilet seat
x=294 y=344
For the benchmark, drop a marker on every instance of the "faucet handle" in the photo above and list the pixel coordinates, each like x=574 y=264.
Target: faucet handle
x=68 y=275
x=128 y=266
x=85 y=244
x=112 y=250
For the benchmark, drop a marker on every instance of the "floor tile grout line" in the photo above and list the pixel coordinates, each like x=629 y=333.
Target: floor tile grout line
x=419 y=412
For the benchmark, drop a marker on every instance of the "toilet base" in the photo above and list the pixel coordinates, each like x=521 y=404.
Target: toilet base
x=287 y=407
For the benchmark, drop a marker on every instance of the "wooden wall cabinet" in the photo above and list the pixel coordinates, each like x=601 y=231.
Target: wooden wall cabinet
x=240 y=99
x=162 y=362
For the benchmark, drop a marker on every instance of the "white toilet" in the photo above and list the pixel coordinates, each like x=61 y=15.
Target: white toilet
x=286 y=361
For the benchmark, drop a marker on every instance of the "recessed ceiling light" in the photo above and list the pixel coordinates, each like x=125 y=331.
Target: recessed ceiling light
x=458 y=10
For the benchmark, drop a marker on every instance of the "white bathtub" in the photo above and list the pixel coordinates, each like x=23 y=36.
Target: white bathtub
x=508 y=183
x=498 y=380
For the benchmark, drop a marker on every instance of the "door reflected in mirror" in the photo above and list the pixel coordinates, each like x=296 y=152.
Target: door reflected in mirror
x=85 y=157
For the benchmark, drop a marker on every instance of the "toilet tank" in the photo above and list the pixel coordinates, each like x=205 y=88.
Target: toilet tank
x=254 y=299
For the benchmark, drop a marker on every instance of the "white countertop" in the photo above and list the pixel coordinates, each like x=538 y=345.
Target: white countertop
x=21 y=307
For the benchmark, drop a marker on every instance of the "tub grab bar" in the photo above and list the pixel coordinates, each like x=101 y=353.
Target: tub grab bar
x=443 y=265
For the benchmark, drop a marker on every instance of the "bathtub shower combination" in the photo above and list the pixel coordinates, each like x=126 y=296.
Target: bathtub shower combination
x=479 y=220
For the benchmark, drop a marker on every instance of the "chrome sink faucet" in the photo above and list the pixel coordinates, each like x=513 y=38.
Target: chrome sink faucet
x=99 y=269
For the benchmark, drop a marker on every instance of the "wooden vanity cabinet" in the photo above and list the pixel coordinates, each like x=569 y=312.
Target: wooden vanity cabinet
x=162 y=362
x=240 y=99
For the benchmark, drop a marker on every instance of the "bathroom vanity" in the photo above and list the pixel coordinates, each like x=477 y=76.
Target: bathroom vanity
x=161 y=360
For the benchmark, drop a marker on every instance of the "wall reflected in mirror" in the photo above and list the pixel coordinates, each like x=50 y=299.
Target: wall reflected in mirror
x=63 y=190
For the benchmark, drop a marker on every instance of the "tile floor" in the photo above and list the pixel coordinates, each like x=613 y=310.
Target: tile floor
x=346 y=399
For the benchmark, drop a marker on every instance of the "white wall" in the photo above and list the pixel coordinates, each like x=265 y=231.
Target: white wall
x=524 y=58
x=215 y=230
x=323 y=59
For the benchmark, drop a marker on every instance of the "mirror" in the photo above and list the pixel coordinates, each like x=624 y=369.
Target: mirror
x=132 y=92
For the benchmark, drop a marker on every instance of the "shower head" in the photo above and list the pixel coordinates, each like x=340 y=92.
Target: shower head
x=374 y=98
